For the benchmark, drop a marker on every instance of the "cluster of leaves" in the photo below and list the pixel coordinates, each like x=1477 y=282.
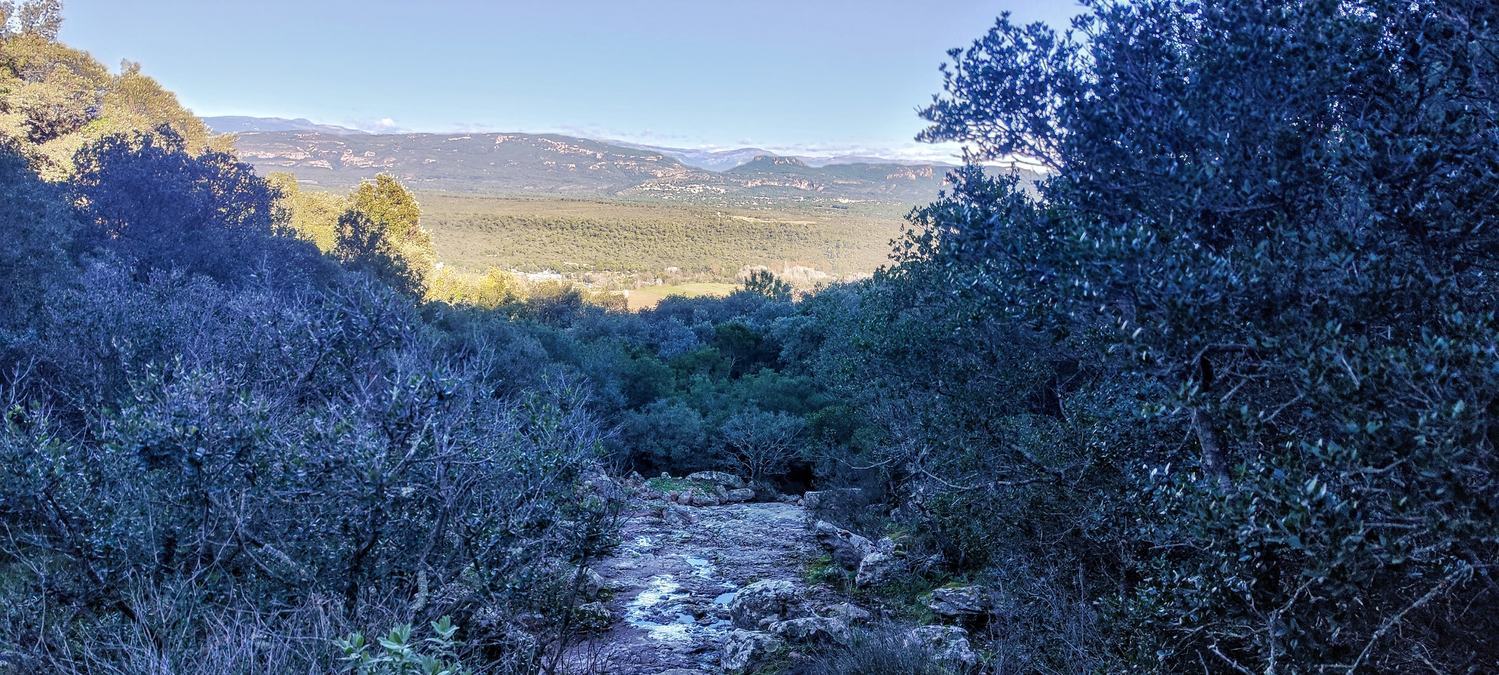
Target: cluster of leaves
x=399 y=654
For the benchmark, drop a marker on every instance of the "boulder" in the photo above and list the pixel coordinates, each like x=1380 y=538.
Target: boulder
x=877 y=569
x=593 y=617
x=763 y=600
x=592 y=585
x=813 y=630
x=960 y=604
x=601 y=484
x=850 y=613
x=695 y=498
x=676 y=516
x=737 y=495
x=817 y=499
x=947 y=644
x=727 y=480
x=848 y=549
x=746 y=650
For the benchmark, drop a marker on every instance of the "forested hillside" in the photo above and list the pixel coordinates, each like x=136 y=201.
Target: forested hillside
x=1218 y=394
x=648 y=238
x=615 y=217
x=511 y=164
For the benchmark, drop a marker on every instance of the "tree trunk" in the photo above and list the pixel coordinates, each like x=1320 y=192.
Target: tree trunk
x=1214 y=464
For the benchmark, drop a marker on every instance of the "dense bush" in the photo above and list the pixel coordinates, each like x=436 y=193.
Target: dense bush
x=55 y=100
x=150 y=200
x=1269 y=230
x=38 y=227
x=263 y=449
x=884 y=652
x=215 y=438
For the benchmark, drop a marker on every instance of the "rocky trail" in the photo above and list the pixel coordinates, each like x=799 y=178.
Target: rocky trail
x=718 y=585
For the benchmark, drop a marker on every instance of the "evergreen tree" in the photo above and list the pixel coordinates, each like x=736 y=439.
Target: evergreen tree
x=394 y=211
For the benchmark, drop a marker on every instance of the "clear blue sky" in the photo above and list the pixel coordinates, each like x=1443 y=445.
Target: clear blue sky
x=790 y=75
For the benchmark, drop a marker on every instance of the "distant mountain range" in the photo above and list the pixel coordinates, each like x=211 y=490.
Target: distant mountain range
x=235 y=124
x=723 y=160
x=711 y=160
x=550 y=164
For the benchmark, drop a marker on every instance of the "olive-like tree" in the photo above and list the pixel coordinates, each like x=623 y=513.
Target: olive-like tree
x=762 y=443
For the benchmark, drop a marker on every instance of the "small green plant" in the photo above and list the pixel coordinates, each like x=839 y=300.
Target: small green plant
x=669 y=485
x=824 y=571
x=397 y=654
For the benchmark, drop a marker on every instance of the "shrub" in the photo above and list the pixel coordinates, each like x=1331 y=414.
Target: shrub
x=762 y=443
x=668 y=435
x=879 y=652
x=148 y=199
x=398 y=654
x=264 y=449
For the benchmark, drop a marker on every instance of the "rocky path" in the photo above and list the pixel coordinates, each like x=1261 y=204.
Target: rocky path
x=676 y=577
x=706 y=582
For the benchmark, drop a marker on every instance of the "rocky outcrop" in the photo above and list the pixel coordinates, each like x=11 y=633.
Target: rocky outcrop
x=848 y=549
x=816 y=630
x=727 y=481
x=713 y=590
x=708 y=494
x=679 y=577
x=850 y=613
x=673 y=515
x=696 y=498
x=964 y=604
x=746 y=650
x=876 y=569
x=947 y=644
x=763 y=600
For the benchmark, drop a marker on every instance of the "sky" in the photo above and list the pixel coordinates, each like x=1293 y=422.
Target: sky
x=795 y=76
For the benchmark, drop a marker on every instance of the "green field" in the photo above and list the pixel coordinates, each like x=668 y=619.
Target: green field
x=577 y=236
x=647 y=297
